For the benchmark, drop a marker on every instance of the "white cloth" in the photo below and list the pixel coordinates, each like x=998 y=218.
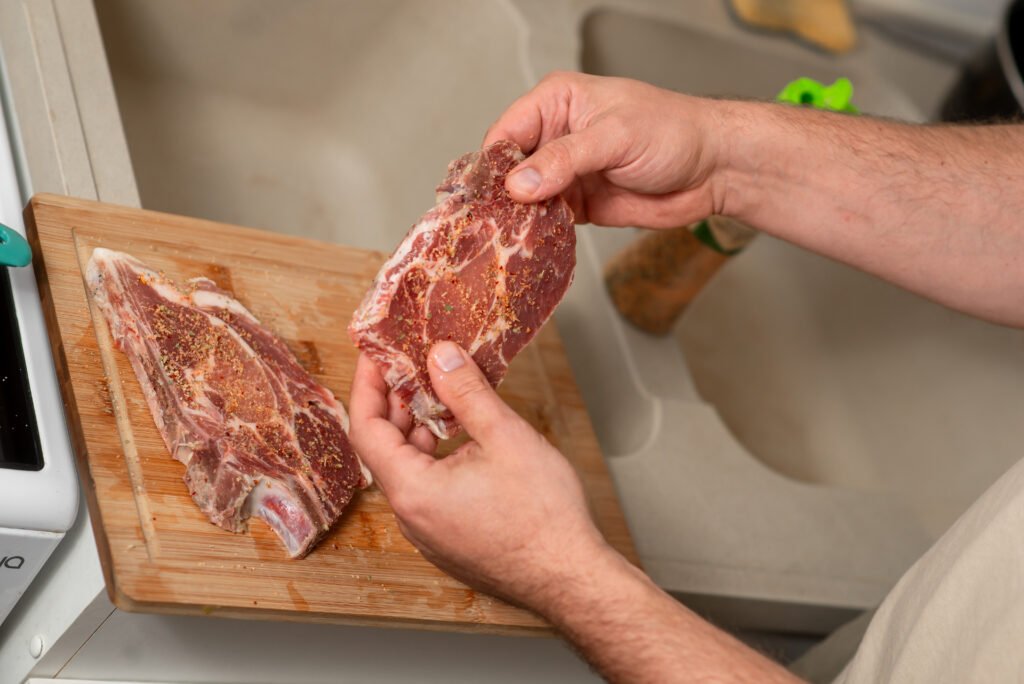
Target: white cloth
x=958 y=614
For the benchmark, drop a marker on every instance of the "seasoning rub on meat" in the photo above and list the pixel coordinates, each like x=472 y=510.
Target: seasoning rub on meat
x=258 y=436
x=479 y=269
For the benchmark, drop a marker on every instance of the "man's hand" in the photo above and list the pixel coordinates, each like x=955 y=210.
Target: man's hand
x=504 y=513
x=933 y=209
x=622 y=152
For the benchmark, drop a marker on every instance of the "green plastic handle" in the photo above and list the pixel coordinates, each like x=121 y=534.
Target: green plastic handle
x=14 y=250
x=808 y=92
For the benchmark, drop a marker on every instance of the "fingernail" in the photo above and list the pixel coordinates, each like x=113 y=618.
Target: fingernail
x=525 y=181
x=448 y=356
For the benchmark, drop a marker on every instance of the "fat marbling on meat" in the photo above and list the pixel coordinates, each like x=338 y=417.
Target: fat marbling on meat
x=258 y=435
x=479 y=269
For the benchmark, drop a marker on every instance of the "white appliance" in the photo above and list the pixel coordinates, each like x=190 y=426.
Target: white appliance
x=38 y=485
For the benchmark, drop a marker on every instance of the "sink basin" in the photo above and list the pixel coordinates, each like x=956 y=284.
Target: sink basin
x=899 y=409
x=780 y=484
x=825 y=374
x=322 y=119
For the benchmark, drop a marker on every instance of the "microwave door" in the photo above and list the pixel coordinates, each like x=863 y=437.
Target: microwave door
x=19 y=438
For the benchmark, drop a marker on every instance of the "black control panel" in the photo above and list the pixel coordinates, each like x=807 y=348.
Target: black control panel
x=19 y=435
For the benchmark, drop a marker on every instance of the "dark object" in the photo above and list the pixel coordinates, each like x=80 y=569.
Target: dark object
x=19 y=438
x=991 y=86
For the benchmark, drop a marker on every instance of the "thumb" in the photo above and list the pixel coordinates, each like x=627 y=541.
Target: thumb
x=462 y=387
x=553 y=167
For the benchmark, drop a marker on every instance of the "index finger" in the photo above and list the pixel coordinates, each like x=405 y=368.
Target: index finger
x=521 y=123
x=381 y=445
x=539 y=115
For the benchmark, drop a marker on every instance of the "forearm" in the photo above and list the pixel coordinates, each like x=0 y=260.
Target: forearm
x=938 y=210
x=631 y=631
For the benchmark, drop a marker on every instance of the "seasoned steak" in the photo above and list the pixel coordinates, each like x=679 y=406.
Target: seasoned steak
x=479 y=269
x=258 y=436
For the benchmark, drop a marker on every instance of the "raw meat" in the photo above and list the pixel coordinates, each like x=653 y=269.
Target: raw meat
x=258 y=436
x=479 y=269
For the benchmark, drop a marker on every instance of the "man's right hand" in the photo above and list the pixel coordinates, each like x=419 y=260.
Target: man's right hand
x=622 y=152
x=505 y=512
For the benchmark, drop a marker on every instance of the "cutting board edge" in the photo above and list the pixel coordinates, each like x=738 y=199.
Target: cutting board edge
x=262 y=235
x=124 y=602
x=62 y=371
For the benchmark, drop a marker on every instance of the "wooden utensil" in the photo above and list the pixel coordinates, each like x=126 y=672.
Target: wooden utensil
x=158 y=551
x=825 y=23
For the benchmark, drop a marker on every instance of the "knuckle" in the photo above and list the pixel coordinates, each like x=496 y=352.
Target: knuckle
x=404 y=504
x=557 y=75
x=615 y=127
x=559 y=156
x=559 y=84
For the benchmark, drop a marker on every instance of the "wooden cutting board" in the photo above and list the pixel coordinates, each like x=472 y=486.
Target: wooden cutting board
x=159 y=553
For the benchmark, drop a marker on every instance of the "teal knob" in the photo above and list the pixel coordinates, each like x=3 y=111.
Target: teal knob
x=14 y=250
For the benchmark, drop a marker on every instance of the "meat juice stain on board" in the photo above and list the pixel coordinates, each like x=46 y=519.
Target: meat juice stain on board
x=298 y=600
x=309 y=356
x=220 y=275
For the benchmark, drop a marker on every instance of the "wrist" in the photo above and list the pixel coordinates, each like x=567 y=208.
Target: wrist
x=735 y=131
x=589 y=580
x=760 y=156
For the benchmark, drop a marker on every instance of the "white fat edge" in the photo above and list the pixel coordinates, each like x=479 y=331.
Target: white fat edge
x=100 y=295
x=100 y=279
x=422 y=404
x=184 y=452
x=263 y=488
x=220 y=300
x=438 y=426
x=375 y=304
x=92 y=268
x=104 y=259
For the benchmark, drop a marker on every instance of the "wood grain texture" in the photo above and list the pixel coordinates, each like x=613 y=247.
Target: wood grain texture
x=158 y=551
